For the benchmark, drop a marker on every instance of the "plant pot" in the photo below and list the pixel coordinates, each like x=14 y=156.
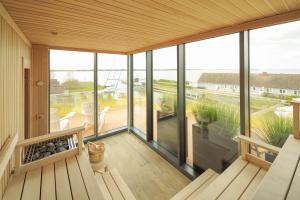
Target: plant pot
x=212 y=149
x=270 y=157
x=164 y=115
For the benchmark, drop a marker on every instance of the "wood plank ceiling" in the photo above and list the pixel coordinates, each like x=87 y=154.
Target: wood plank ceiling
x=128 y=25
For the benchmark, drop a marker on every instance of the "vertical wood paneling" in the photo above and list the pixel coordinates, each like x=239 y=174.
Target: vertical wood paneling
x=12 y=49
x=39 y=72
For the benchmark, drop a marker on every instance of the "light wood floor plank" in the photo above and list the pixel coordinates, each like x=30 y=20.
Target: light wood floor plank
x=15 y=187
x=77 y=185
x=130 y=156
x=48 y=183
x=63 y=190
x=32 y=184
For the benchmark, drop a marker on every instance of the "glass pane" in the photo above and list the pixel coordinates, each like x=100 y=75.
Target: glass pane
x=212 y=102
x=112 y=92
x=71 y=90
x=275 y=81
x=165 y=122
x=139 y=91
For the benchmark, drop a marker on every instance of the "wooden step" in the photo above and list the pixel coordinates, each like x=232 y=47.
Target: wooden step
x=222 y=181
x=197 y=186
x=113 y=186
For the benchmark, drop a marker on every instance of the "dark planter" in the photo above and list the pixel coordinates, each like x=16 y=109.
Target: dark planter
x=167 y=131
x=212 y=149
x=270 y=157
x=164 y=115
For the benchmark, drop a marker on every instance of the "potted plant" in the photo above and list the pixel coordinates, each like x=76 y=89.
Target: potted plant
x=275 y=131
x=214 y=144
x=165 y=107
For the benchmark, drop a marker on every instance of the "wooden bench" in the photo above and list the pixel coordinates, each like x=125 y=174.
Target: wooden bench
x=283 y=178
x=113 y=186
x=197 y=186
x=70 y=178
x=239 y=181
x=64 y=175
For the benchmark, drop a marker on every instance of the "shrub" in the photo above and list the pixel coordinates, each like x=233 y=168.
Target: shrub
x=275 y=130
x=227 y=116
x=166 y=102
x=229 y=119
x=205 y=112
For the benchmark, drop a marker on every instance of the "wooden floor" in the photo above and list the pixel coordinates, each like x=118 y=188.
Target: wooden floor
x=147 y=174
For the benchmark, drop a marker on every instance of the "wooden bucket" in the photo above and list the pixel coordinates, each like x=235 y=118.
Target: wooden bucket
x=96 y=151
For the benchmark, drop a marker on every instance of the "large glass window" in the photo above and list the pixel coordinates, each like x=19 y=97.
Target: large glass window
x=71 y=90
x=112 y=92
x=139 y=91
x=274 y=80
x=165 y=120
x=212 y=102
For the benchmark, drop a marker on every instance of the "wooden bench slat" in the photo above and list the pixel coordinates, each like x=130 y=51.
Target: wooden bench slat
x=222 y=181
x=32 y=184
x=206 y=184
x=112 y=187
x=249 y=192
x=240 y=183
x=275 y=184
x=102 y=186
x=294 y=192
x=93 y=190
x=63 y=190
x=77 y=185
x=194 y=185
x=127 y=194
x=6 y=151
x=48 y=183
x=15 y=187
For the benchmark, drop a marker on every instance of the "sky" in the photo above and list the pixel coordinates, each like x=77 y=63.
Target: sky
x=271 y=48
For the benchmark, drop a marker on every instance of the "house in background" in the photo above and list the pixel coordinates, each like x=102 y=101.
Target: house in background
x=277 y=84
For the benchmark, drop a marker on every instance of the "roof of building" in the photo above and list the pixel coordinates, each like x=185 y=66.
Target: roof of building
x=284 y=81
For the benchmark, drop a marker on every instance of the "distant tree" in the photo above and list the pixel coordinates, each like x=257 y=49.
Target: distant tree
x=72 y=85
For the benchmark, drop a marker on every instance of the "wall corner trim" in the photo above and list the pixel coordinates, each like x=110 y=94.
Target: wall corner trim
x=5 y=15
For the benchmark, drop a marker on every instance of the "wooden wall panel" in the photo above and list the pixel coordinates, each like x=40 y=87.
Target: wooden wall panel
x=12 y=49
x=39 y=97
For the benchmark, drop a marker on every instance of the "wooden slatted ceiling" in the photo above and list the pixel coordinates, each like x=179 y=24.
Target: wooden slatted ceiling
x=124 y=26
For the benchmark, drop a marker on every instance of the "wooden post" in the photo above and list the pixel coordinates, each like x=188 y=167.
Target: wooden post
x=244 y=148
x=79 y=136
x=17 y=159
x=296 y=104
